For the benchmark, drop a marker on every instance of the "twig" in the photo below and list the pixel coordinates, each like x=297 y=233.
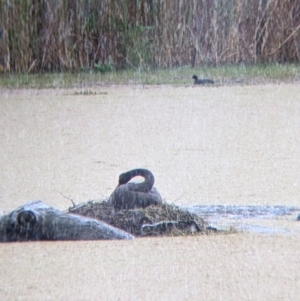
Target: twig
x=178 y=199
x=74 y=205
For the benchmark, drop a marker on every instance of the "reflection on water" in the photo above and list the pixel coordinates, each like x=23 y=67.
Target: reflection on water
x=222 y=216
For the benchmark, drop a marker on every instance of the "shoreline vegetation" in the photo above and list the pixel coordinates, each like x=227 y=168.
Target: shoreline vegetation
x=42 y=36
x=79 y=44
x=181 y=76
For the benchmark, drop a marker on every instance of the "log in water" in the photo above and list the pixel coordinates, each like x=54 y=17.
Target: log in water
x=37 y=221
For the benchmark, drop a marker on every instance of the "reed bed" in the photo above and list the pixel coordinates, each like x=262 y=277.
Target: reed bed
x=51 y=35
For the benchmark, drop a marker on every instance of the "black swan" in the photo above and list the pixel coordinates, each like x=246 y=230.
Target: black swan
x=204 y=81
x=135 y=195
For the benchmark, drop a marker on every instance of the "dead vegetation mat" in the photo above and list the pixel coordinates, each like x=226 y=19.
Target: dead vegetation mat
x=166 y=219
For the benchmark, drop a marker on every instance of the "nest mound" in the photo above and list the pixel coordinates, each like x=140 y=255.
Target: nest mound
x=165 y=219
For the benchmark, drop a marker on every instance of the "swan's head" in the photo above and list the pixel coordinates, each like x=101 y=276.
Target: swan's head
x=124 y=178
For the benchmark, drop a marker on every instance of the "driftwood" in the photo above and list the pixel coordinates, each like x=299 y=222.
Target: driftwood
x=165 y=219
x=37 y=221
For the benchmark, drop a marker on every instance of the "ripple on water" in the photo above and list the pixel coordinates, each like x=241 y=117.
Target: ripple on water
x=238 y=212
x=219 y=216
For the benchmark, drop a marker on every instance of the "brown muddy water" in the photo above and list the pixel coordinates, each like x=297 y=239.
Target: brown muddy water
x=216 y=146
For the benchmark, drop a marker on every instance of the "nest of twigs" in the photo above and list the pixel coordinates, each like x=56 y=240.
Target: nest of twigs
x=165 y=219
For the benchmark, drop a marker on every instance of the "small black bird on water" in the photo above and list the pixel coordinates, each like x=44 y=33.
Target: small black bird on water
x=202 y=81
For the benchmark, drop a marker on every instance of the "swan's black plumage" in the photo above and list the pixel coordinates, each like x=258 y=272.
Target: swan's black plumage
x=135 y=195
x=202 y=81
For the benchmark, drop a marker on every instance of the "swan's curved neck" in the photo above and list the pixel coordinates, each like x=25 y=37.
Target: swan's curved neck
x=145 y=186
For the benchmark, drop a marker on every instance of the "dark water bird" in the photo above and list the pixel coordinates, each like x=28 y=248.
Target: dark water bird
x=202 y=81
x=135 y=195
